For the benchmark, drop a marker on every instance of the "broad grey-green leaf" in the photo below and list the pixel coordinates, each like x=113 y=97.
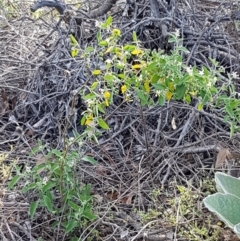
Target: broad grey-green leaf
x=237 y=229
x=227 y=184
x=225 y=206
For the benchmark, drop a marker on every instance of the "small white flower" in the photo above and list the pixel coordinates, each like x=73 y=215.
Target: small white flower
x=108 y=61
x=214 y=79
x=158 y=93
x=201 y=72
x=97 y=24
x=189 y=70
x=90 y=102
x=177 y=32
x=234 y=75
x=45 y=180
x=209 y=84
x=120 y=64
x=28 y=169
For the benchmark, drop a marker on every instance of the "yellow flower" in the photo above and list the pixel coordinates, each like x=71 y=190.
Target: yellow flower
x=89 y=120
x=106 y=102
x=136 y=51
x=136 y=66
x=123 y=89
x=116 y=32
x=106 y=95
x=171 y=86
x=146 y=86
x=169 y=95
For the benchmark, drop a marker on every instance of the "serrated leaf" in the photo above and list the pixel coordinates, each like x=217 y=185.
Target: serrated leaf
x=71 y=225
x=48 y=203
x=33 y=208
x=73 y=206
x=87 y=213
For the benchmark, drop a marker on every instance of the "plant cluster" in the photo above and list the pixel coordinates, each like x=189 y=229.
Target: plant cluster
x=58 y=189
x=151 y=77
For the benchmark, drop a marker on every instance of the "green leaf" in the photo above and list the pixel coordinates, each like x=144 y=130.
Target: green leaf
x=99 y=36
x=14 y=180
x=29 y=187
x=230 y=110
x=88 y=50
x=225 y=206
x=89 y=159
x=74 y=44
x=237 y=229
x=185 y=50
x=89 y=96
x=94 y=85
x=96 y=72
x=73 y=206
x=75 y=239
x=73 y=40
x=48 y=186
x=142 y=96
x=48 y=203
x=103 y=43
x=87 y=213
x=171 y=40
x=227 y=184
x=134 y=36
x=103 y=124
x=71 y=225
x=109 y=21
x=180 y=91
x=33 y=208
x=232 y=129
x=83 y=120
x=85 y=196
x=100 y=108
x=161 y=100
x=108 y=77
x=159 y=86
x=56 y=153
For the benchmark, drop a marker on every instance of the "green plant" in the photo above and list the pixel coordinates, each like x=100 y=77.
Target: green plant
x=226 y=203
x=58 y=188
x=151 y=77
